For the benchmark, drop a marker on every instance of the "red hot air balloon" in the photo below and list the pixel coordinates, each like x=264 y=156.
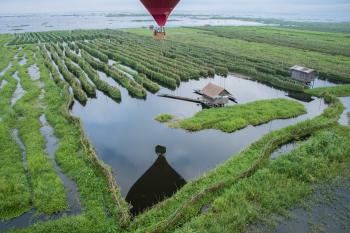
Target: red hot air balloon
x=160 y=10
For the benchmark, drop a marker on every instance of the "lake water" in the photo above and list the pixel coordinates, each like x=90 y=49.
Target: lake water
x=17 y=23
x=126 y=135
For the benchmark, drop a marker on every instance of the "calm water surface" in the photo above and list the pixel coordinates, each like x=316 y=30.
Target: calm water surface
x=125 y=135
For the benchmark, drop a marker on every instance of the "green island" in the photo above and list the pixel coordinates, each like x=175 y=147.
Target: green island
x=230 y=119
x=247 y=189
x=163 y=118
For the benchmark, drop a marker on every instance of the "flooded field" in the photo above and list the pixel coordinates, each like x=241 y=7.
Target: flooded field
x=83 y=148
x=125 y=135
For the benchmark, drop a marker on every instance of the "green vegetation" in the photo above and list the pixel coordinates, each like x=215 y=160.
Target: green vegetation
x=340 y=90
x=230 y=119
x=103 y=206
x=79 y=94
x=278 y=186
x=163 y=118
x=133 y=87
x=330 y=43
x=245 y=189
x=15 y=193
x=48 y=191
x=112 y=92
x=258 y=59
x=185 y=205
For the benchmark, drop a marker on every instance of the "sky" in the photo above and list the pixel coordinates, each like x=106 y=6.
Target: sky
x=213 y=6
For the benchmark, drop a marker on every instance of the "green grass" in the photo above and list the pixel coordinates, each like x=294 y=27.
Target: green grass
x=101 y=211
x=329 y=66
x=163 y=118
x=160 y=217
x=232 y=118
x=48 y=191
x=238 y=197
x=15 y=193
x=340 y=90
x=330 y=43
x=277 y=187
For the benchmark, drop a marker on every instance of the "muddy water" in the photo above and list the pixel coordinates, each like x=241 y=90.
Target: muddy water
x=19 y=92
x=125 y=135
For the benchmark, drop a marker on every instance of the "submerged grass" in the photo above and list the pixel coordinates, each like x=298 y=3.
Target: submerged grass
x=230 y=119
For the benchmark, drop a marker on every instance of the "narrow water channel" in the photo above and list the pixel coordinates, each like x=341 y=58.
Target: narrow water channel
x=69 y=186
x=6 y=69
x=19 y=92
x=125 y=135
x=344 y=118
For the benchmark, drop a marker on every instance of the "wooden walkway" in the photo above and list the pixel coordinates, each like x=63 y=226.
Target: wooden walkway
x=182 y=98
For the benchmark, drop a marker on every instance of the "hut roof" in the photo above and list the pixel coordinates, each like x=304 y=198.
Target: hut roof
x=212 y=90
x=302 y=69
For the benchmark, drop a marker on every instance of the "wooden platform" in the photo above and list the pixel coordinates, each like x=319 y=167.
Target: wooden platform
x=199 y=101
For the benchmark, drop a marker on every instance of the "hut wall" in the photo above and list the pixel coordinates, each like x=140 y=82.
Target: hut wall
x=303 y=77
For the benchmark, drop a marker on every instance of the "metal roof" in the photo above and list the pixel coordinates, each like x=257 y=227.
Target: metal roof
x=302 y=69
x=212 y=90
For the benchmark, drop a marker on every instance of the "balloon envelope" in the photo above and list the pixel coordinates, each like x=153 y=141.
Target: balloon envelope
x=160 y=9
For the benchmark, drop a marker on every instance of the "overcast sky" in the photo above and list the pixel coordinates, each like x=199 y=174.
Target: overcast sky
x=45 y=6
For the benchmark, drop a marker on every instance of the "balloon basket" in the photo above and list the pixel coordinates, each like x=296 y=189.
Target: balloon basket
x=159 y=35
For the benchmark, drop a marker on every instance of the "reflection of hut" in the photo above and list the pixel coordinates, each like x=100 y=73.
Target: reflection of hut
x=300 y=96
x=157 y=183
x=215 y=95
x=303 y=74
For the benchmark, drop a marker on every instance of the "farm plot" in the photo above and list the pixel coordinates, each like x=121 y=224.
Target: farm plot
x=70 y=64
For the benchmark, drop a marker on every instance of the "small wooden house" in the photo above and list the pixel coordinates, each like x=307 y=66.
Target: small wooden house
x=215 y=95
x=303 y=74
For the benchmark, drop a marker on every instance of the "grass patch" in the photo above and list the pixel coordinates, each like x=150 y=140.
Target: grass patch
x=48 y=191
x=230 y=119
x=15 y=193
x=339 y=91
x=277 y=187
x=163 y=118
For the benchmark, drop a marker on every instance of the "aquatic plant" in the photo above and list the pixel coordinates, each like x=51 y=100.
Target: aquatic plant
x=163 y=118
x=232 y=118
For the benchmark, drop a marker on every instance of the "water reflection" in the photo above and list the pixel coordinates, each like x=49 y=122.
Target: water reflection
x=126 y=134
x=157 y=183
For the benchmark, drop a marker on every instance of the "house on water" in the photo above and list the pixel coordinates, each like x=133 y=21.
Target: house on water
x=303 y=74
x=215 y=95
